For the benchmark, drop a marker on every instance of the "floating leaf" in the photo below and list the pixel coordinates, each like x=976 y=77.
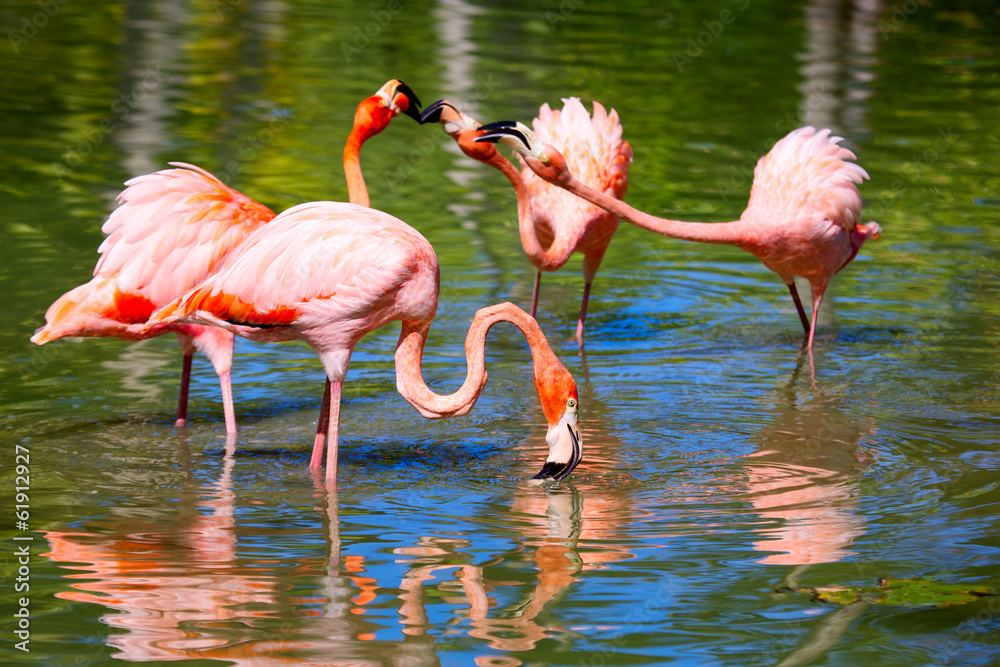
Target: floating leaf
x=901 y=592
x=924 y=592
x=836 y=595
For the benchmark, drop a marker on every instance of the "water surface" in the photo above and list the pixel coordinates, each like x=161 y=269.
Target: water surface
x=721 y=466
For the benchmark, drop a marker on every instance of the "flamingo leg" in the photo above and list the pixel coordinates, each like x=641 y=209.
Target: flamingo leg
x=331 y=447
x=227 y=402
x=182 y=402
x=321 y=428
x=583 y=313
x=798 y=306
x=817 y=300
x=534 y=293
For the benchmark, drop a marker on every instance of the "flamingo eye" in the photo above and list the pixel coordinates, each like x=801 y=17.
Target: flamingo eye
x=571 y=403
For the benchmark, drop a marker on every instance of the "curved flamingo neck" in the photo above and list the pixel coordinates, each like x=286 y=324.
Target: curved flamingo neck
x=409 y=355
x=562 y=246
x=370 y=118
x=357 y=191
x=732 y=233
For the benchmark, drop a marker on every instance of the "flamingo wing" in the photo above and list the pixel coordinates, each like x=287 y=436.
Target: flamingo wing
x=592 y=145
x=172 y=228
x=807 y=173
x=316 y=262
x=596 y=154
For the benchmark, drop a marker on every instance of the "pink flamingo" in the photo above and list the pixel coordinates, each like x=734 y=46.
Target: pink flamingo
x=801 y=220
x=372 y=116
x=173 y=229
x=328 y=273
x=553 y=223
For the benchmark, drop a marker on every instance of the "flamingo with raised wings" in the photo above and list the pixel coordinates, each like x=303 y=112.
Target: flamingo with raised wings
x=174 y=228
x=801 y=220
x=554 y=224
x=328 y=273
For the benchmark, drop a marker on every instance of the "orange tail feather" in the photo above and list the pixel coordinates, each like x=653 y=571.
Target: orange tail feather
x=94 y=309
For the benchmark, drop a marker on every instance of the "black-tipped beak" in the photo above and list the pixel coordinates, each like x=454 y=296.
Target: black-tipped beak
x=499 y=124
x=414 y=110
x=553 y=470
x=492 y=138
x=558 y=470
x=497 y=132
x=432 y=114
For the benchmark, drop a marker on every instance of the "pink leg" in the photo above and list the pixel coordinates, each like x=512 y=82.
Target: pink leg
x=227 y=402
x=817 y=299
x=534 y=293
x=583 y=314
x=331 y=449
x=798 y=306
x=182 y=402
x=321 y=428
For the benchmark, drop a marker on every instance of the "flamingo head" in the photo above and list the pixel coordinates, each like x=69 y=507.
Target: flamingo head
x=555 y=385
x=399 y=98
x=375 y=112
x=561 y=404
x=543 y=159
x=464 y=129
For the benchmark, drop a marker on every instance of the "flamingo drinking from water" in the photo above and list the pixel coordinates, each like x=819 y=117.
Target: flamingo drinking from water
x=328 y=273
x=554 y=224
x=173 y=229
x=801 y=220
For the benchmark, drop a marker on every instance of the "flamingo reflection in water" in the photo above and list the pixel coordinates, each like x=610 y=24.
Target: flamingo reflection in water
x=179 y=588
x=802 y=477
x=556 y=525
x=162 y=580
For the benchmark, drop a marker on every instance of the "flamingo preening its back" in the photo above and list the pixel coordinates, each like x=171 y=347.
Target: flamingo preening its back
x=802 y=218
x=328 y=273
x=173 y=229
x=554 y=224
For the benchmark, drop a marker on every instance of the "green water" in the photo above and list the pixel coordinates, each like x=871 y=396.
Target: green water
x=720 y=465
